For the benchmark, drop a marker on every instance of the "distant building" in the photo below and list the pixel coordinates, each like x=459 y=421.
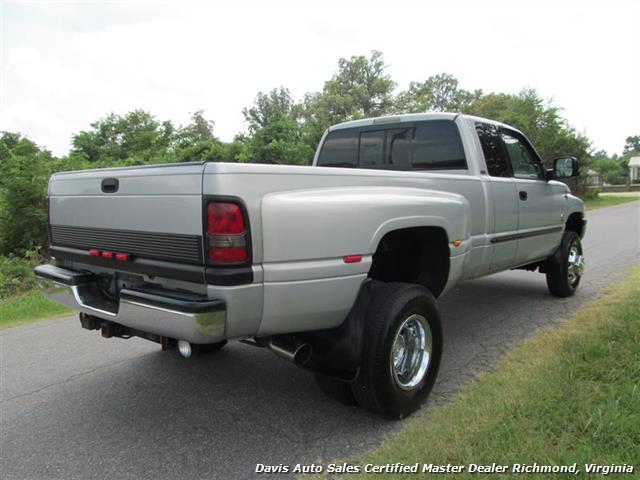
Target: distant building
x=593 y=178
x=634 y=169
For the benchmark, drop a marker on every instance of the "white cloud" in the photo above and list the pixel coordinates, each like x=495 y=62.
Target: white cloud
x=28 y=115
x=66 y=64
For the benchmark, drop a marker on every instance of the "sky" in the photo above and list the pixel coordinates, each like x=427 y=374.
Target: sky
x=66 y=64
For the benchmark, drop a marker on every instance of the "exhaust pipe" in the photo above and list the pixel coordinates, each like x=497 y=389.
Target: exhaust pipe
x=296 y=352
x=185 y=348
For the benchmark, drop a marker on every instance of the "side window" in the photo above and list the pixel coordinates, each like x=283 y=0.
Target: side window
x=340 y=149
x=437 y=144
x=399 y=142
x=371 y=148
x=524 y=162
x=494 y=154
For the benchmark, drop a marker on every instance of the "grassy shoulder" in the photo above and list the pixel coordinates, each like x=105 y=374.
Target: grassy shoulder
x=569 y=394
x=28 y=308
x=605 y=201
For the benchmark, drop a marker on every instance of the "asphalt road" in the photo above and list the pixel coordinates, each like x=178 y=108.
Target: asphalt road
x=76 y=406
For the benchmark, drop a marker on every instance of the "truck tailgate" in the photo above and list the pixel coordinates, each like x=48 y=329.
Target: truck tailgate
x=147 y=213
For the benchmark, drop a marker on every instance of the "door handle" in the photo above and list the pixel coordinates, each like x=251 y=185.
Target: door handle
x=523 y=195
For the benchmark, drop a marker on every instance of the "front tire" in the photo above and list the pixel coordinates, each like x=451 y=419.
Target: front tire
x=401 y=352
x=565 y=268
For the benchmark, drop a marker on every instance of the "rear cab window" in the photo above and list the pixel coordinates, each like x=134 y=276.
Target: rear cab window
x=371 y=149
x=340 y=149
x=426 y=145
x=437 y=145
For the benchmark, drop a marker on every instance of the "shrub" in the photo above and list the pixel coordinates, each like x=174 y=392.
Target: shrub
x=589 y=194
x=16 y=273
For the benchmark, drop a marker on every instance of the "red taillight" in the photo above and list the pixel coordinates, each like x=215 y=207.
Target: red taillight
x=226 y=233
x=107 y=254
x=122 y=257
x=224 y=218
x=94 y=252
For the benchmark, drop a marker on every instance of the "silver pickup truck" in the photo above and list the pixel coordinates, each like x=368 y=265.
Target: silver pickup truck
x=335 y=266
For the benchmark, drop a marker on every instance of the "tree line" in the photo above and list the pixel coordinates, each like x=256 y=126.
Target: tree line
x=280 y=130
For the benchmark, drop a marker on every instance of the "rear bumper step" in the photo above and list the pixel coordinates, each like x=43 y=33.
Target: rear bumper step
x=194 y=318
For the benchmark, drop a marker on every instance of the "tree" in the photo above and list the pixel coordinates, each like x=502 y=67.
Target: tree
x=280 y=130
x=361 y=88
x=24 y=171
x=274 y=131
x=198 y=130
x=539 y=120
x=132 y=139
x=315 y=118
x=613 y=170
x=632 y=145
x=195 y=142
x=268 y=108
x=439 y=93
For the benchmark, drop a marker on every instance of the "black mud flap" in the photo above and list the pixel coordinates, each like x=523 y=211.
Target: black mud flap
x=337 y=352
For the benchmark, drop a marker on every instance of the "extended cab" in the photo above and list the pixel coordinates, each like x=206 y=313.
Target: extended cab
x=335 y=266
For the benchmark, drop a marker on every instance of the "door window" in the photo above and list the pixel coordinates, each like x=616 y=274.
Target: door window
x=524 y=162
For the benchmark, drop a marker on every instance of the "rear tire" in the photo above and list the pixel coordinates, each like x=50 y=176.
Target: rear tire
x=565 y=268
x=401 y=352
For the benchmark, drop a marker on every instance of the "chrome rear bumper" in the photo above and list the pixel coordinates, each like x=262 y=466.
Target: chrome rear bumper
x=198 y=320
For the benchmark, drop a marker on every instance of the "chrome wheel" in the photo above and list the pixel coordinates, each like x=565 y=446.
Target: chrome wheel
x=411 y=352
x=575 y=265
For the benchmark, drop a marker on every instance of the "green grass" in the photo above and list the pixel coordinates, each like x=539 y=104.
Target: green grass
x=569 y=394
x=600 y=201
x=28 y=308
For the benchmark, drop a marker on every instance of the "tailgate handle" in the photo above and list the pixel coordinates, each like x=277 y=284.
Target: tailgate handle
x=110 y=185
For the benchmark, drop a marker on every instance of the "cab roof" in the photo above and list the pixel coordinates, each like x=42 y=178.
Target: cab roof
x=412 y=117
